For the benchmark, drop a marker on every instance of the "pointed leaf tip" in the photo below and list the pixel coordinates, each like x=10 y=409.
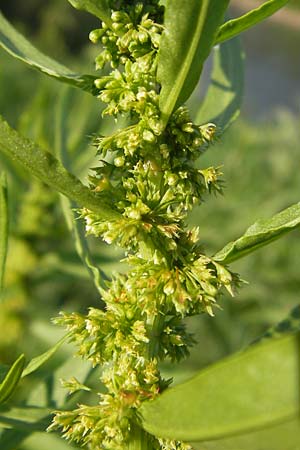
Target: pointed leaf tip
x=11 y=380
x=261 y=233
x=19 y=47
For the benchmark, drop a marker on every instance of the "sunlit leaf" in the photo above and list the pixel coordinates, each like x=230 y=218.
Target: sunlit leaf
x=248 y=391
x=278 y=437
x=18 y=46
x=190 y=28
x=48 y=169
x=261 y=233
x=98 y=8
x=236 y=26
x=38 y=361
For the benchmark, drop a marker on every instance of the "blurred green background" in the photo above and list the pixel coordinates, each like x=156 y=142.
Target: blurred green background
x=259 y=155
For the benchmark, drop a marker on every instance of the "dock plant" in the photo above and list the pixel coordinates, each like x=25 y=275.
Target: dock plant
x=148 y=177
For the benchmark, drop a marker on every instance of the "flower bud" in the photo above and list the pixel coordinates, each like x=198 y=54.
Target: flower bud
x=169 y=287
x=119 y=161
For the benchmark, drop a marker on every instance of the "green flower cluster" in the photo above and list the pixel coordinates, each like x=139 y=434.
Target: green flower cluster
x=135 y=32
x=147 y=173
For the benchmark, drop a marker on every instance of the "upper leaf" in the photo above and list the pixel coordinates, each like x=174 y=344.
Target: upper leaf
x=98 y=8
x=38 y=361
x=48 y=169
x=247 y=391
x=19 y=47
x=236 y=26
x=222 y=102
x=190 y=31
x=261 y=233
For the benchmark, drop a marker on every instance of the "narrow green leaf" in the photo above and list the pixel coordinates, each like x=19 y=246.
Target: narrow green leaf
x=3 y=227
x=48 y=391
x=98 y=8
x=236 y=26
x=261 y=233
x=19 y=47
x=38 y=361
x=190 y=31
x=222 y=102
x=248 y=391
x=48 y=169
x=75 y=225
x=11 y=380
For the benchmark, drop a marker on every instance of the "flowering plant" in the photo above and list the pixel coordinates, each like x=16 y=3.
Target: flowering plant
x=147 y=179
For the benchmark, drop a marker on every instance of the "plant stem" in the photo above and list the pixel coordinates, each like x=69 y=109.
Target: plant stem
x=155 y=333
x=139 y=439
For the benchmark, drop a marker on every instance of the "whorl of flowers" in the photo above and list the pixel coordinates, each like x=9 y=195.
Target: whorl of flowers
x=147 y=173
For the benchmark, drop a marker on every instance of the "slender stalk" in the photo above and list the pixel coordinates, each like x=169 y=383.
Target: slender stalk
x=139 y=439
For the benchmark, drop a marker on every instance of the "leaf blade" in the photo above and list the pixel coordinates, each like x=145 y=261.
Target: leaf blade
x=38 y=361
x=285 y=435
x=228 y=392
x=19 y=47
x=98 y=8
x=11 y=380
x=233 y=27
x=190 y=30
x=261 y=233
x=222 y=102
x=3 y=227
x=48 y=169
